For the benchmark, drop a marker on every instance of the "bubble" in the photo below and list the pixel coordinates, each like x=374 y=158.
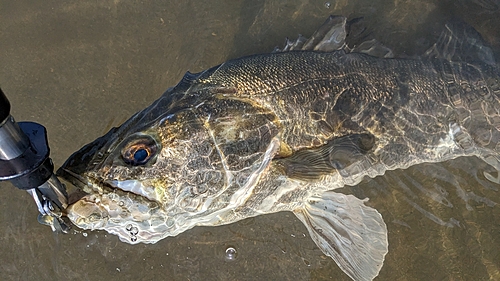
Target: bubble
x=84 y=234
x=134 y=231
x=231 y=254
x=133 y=238
x=128 y=227
x=242 y=179
x=181 y=220
x=45 y=219
x=328 y=5
x=200 y=189
x=121 y=203
x=112 y=196
x=170 y=222
x=213 y=177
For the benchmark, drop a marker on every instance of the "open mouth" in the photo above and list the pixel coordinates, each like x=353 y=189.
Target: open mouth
x=135 y=187
x=96 y=204
x=78 y=187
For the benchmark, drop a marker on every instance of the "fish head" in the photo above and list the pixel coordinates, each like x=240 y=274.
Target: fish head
x=180 y=162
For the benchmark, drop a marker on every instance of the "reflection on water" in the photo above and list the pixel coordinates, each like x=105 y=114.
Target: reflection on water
x=81 y=68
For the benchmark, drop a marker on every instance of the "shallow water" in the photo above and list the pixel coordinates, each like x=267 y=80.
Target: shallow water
x=80 y=68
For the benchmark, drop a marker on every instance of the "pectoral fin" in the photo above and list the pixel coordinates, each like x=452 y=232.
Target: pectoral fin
x=336 y=155
x=353 y=234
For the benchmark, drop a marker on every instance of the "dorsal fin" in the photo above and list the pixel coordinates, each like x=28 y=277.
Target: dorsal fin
x=461 y=42
x=373 y=48
x=329 y=37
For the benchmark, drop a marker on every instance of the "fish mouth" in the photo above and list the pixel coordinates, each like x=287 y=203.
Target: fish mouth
x=79 y=163
x=78 y=187
x=104 y=205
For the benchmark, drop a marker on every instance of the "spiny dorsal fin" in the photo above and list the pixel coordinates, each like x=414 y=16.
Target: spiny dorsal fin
x=331 y=36
x=373 y=48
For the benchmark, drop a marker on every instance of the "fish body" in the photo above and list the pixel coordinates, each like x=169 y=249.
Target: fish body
x=281 y=131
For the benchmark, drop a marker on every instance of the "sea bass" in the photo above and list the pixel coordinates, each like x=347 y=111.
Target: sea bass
x=281 y=131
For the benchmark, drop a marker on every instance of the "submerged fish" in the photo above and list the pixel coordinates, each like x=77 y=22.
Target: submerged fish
x=281 y=131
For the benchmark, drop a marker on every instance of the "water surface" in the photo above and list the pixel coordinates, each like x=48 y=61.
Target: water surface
x=82 y=67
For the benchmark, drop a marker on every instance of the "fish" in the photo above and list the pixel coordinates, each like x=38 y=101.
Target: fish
x=281 y=131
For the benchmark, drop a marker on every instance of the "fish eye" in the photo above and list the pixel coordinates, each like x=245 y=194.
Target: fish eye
x=139 y=151
x=141 y=154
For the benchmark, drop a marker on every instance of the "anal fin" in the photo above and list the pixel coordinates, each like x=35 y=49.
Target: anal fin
x=354 y=235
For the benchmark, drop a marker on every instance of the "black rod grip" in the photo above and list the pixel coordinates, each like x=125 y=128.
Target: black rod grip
x=4 y=107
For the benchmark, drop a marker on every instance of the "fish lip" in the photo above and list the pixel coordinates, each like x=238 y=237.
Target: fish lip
x=117 y=185
x=69 y=176
x=75 y=184
x=74 y=172
x=80 y=186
